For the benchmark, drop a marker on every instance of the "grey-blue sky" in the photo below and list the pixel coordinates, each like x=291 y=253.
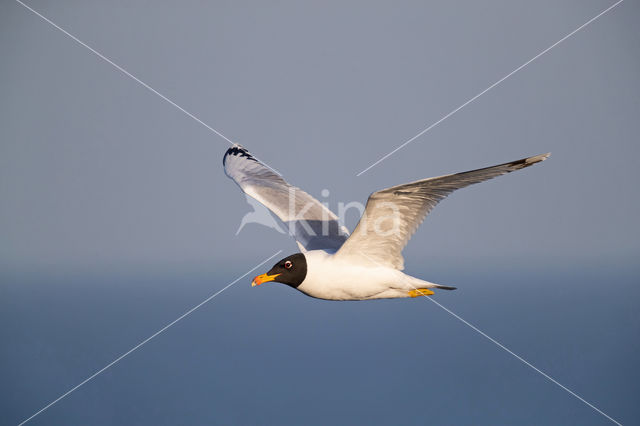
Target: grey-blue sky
x=106 y=182
x=97 y=170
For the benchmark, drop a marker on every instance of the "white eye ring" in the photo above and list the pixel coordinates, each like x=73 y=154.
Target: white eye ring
x=288 y=264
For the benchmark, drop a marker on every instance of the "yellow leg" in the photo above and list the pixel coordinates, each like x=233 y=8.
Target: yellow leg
x=420 y=292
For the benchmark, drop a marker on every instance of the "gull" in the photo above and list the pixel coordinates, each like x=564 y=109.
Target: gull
x=367 y=264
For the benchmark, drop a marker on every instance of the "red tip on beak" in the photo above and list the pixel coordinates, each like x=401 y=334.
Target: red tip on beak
x=263 y=279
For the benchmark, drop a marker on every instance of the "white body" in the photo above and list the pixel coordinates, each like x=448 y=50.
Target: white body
x=334 y=278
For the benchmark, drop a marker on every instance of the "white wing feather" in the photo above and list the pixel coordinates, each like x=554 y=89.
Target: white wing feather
x=312 y=224
x=392 y=215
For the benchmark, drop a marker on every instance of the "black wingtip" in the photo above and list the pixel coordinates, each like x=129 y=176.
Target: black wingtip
x=239 y=151
x=529 y=161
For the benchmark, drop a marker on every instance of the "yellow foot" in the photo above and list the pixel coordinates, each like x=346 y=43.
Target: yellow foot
x=420 y=292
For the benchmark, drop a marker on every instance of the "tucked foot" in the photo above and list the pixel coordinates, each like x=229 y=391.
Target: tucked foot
x=420 y=292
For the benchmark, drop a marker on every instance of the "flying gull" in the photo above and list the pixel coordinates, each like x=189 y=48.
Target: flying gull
x=367 y=264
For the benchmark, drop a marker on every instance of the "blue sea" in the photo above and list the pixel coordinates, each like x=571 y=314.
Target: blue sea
x=270 y=355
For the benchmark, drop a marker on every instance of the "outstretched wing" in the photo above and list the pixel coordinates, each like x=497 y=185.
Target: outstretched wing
x=392 y=215
x=312 y=224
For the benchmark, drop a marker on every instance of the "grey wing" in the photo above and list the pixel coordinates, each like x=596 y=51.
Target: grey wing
x=392 y=215
x=312 y=224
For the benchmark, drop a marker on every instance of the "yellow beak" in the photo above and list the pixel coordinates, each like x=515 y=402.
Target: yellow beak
x=263 y=279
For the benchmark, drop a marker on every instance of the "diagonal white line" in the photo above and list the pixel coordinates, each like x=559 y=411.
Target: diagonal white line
x=527 y=363
x=163 y=329
x=136 y=79
x=503 y=347
x=266 y=260
x=124 y=71
x=491 y=87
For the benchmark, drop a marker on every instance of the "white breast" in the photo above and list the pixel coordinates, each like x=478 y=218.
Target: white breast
x=332 y=278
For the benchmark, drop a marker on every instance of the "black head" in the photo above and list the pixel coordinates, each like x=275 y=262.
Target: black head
x=291 y=271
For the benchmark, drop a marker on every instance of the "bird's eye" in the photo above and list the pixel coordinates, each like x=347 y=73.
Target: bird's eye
x=288 y=264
